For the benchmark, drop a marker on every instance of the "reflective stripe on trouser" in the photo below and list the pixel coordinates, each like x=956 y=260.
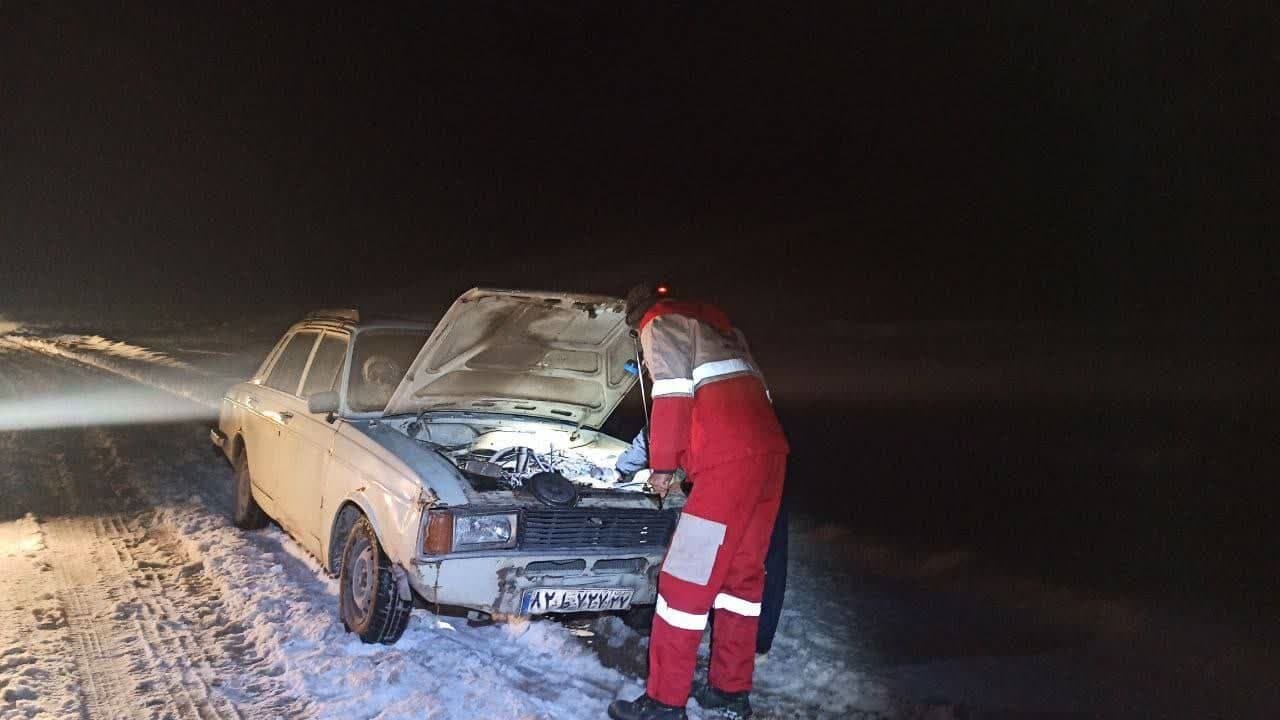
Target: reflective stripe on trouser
x=734 y=604
x=679 y=618
x=740 y=500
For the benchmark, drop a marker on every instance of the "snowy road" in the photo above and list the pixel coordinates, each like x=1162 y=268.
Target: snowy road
x=126 y=594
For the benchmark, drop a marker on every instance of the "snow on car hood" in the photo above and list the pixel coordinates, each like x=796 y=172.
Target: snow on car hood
x=549 y=355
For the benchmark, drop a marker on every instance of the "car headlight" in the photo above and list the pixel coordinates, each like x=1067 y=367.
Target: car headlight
x=475 y=532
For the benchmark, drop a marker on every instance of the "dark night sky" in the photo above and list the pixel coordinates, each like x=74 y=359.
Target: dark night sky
x=1019 y=161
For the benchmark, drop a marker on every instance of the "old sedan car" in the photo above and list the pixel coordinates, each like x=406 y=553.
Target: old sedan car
x=462 y=463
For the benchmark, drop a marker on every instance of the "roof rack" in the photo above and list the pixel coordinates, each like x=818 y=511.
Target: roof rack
x=343 y=314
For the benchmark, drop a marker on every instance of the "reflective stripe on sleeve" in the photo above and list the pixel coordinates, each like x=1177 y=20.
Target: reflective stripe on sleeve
x=679 y=618
x=672 y=386
x=709 y=370
x=736 y=605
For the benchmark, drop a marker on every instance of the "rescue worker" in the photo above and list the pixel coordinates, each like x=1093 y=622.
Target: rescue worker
x=713 y=418
x=636 y=458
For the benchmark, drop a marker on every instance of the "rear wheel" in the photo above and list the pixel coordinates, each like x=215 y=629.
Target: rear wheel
x=245 y=512
x=370 y=601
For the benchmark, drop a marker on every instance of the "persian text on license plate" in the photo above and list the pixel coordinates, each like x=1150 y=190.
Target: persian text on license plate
x=542 y=600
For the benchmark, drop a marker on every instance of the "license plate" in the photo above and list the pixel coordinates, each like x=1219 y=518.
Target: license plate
x=543 y=600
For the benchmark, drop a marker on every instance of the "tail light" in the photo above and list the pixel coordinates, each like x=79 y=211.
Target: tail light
x=438 y=539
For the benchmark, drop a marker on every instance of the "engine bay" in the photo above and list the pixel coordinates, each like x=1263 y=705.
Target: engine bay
x=524 y=455
x=513 y=467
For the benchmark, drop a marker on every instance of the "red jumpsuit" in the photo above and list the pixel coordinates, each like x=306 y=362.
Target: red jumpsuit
x=712 y=417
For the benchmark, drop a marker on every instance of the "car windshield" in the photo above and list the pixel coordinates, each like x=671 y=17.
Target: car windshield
x=378 y=364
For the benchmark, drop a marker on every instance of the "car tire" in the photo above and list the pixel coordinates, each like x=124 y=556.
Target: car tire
x=245 y=511
x=369 y=599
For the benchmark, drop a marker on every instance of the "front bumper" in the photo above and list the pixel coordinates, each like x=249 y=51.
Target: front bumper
x=495 y=583
x=218 y=438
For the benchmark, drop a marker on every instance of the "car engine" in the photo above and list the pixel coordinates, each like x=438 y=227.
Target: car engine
x=530 y=456
x=513 y=467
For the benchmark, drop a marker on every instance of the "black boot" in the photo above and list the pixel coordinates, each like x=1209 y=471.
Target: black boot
x=645 y=708
x=731 y=705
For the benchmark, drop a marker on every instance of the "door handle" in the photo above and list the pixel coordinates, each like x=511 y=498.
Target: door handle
x=250 y=400
x=285 y=416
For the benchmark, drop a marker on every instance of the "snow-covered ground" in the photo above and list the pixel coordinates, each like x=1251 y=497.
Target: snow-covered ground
x=126 y=592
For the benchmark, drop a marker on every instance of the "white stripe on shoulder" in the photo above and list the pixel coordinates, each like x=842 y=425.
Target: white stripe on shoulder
x=672 y=386
x=706 y=371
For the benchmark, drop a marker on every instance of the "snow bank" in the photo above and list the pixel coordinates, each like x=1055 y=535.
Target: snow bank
x=21 y=537
x=139 y=364
x=116 y=348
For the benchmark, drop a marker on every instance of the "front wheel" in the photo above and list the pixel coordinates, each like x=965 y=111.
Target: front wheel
x=369 y=602
x=245 y=512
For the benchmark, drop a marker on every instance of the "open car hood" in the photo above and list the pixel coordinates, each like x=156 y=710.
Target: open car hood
x=549 y=355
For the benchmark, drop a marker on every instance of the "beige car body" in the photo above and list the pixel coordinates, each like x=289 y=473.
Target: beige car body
x=311 y=470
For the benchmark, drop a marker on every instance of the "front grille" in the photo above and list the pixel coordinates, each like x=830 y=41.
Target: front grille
x=556 y=567
x=620 y=565
x=595 y=528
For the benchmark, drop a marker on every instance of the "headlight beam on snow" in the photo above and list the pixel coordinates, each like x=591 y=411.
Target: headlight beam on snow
x=114 y=406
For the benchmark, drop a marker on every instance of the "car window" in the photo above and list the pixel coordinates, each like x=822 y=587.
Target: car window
x=378 y=364
x=266 y=362
x=325 y=366
x=288 y=368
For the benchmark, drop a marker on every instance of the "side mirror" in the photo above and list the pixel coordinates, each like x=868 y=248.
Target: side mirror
x=323 y=402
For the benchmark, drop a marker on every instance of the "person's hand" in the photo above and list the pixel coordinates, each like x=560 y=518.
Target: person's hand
x=662 y=482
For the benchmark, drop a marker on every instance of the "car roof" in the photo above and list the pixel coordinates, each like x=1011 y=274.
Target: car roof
x=352 y=320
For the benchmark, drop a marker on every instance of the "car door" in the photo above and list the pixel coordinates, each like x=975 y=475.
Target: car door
x=274 y=405
x=254 y=428
x=308 y=440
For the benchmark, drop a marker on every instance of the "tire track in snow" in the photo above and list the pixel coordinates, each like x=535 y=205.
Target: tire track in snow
x=210 y=649
x=103 y=692
x=150 y=636
x=186 y=665
x=144 y=630
x=91 y=574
